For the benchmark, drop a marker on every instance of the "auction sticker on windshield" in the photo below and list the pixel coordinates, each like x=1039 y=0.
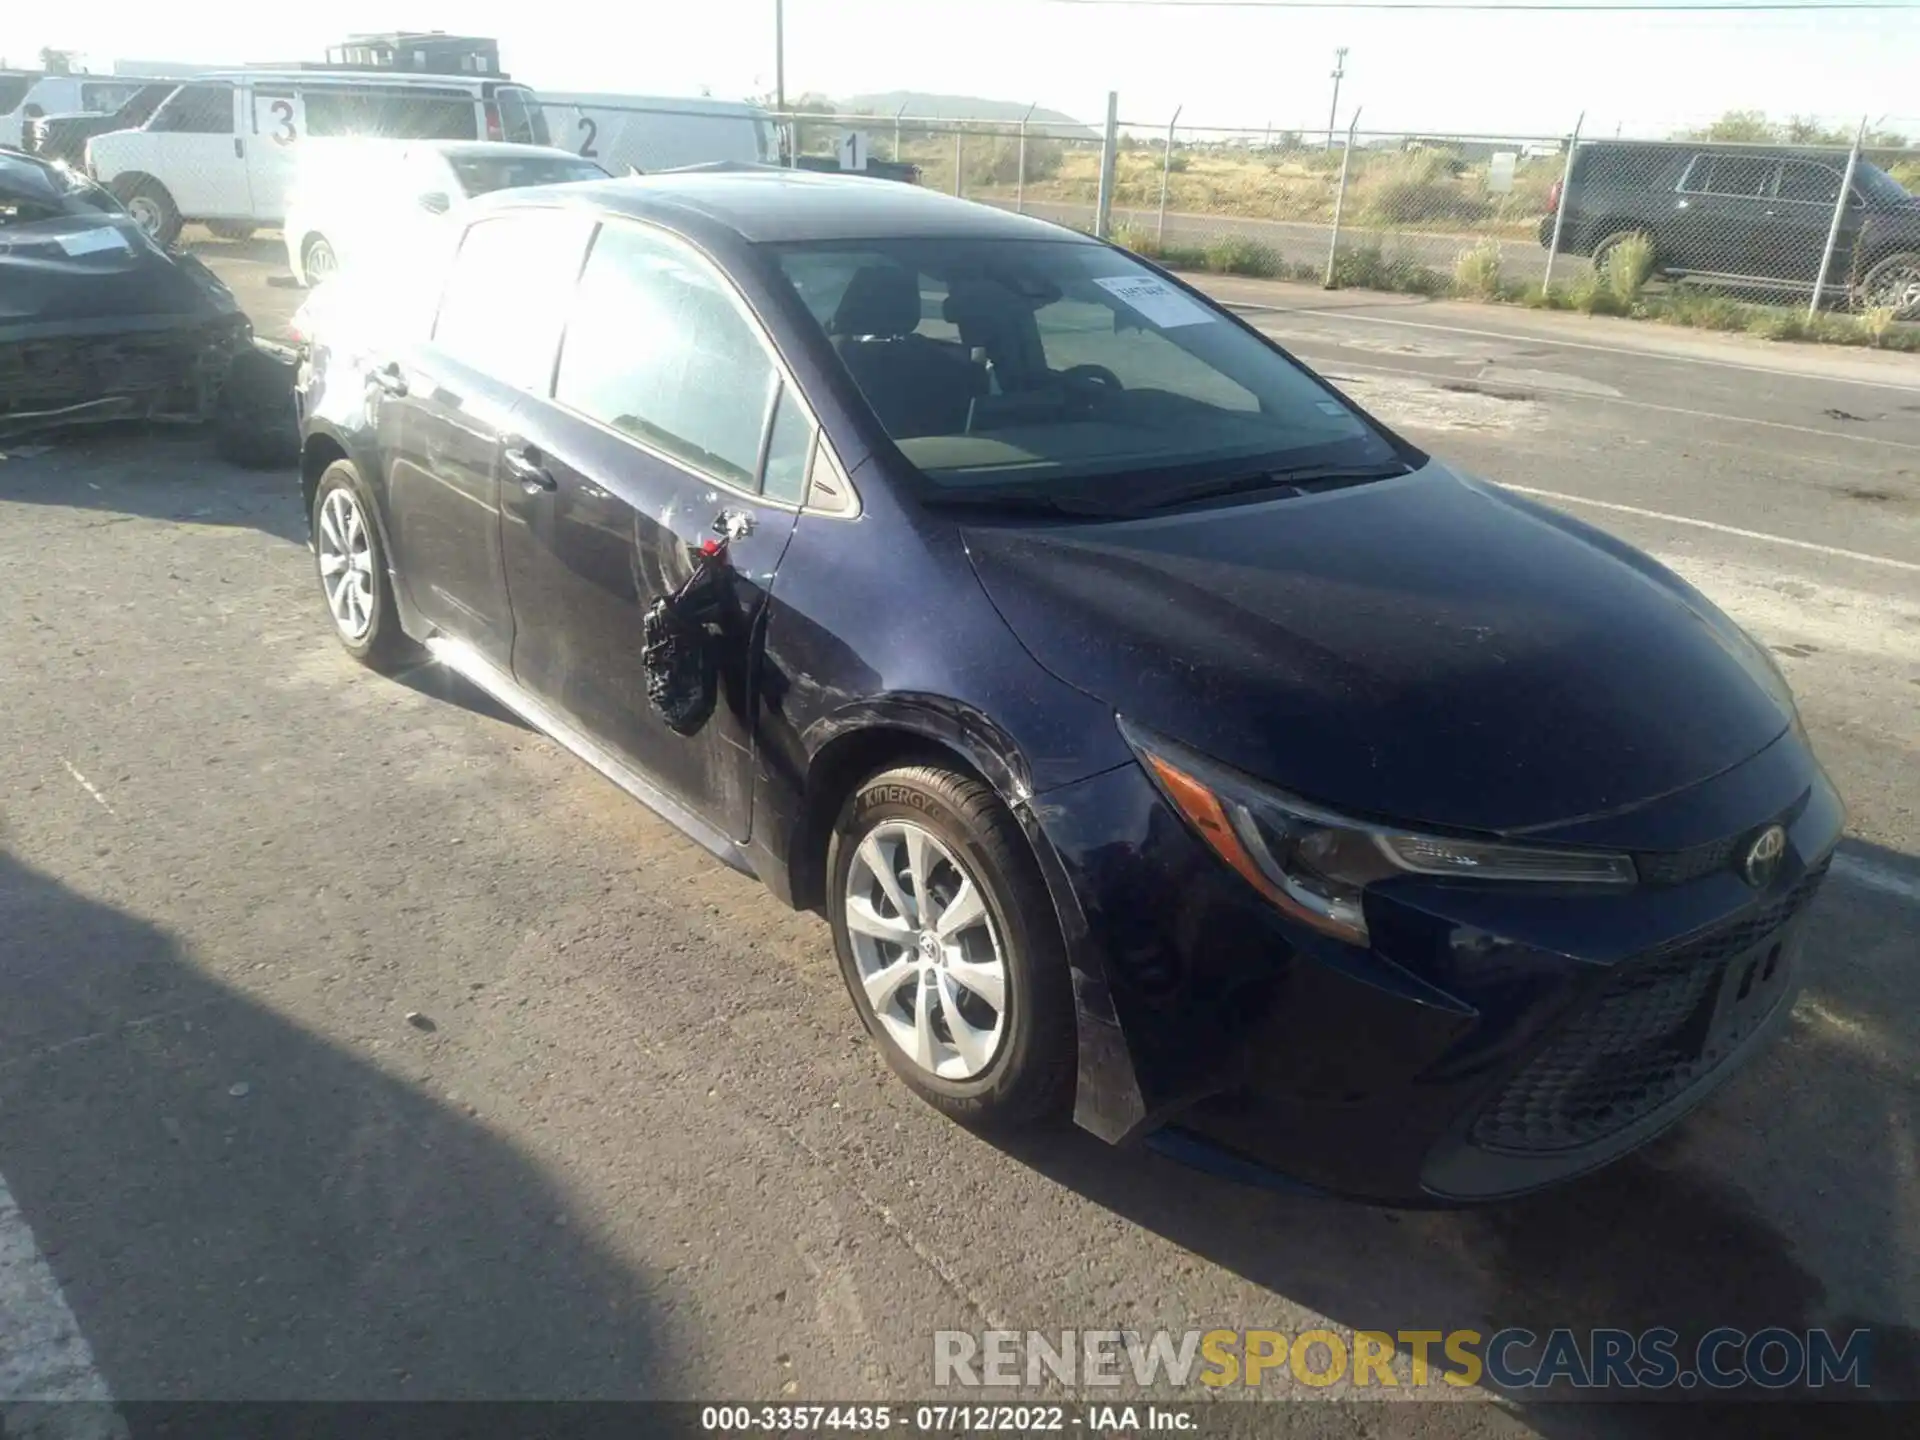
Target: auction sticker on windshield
x=1155 y=299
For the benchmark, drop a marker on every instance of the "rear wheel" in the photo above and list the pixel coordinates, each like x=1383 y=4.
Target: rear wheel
x=1604 y=252
x=949 y=946
x=1893 y=284
x=353 y=572
x=151 y=207
x=317 y=260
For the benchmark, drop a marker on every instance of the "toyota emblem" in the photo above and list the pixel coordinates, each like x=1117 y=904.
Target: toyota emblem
x=1769 y=848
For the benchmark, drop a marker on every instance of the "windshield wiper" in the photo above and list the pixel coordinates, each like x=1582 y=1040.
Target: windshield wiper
x=1305 y=480
x=1038 y=502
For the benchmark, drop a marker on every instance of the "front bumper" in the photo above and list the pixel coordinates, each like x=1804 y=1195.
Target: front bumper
x=1493 y=1039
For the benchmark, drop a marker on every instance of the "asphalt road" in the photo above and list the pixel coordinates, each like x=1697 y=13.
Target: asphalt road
x=634 y=1142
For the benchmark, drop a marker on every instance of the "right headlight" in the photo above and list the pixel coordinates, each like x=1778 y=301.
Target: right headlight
x=1315 y=865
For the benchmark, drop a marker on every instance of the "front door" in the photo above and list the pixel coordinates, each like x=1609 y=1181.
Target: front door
x=195 y=147
x=1801 y=218
x=669 y=421
x=1720 y=219
x=278 y=125
x=447 y=412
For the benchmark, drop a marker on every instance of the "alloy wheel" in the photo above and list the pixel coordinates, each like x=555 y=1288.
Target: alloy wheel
x=929 y=957
x=321 y=262
x=345 y=551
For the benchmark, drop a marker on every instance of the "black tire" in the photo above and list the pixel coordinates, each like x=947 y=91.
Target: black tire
x=1606 y=244
x=255 y=424
x=1031 y=1075
x=150 y=204
x=230 y=230
x=1887 y=274
x=385 y=646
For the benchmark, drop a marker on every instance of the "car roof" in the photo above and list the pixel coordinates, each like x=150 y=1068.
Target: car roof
x=768 y=203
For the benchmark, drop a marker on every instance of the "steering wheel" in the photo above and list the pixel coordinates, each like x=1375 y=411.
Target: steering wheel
x=1096 y=374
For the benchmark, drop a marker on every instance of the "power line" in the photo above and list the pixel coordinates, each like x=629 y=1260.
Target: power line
x=1540 y=7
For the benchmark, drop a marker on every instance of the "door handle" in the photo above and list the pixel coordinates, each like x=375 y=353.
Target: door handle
x=239 y=148
x=389 y=379
x=523 y=464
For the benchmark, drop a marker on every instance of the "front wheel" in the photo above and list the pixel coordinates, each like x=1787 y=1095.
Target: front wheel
x=353 y=572
x=151 y=207
x=949 y=946
x=1893 y=284
x=318 y=260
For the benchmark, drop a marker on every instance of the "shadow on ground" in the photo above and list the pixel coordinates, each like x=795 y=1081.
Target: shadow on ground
x=1783 y=1202
x=237 y=1208
x=154 y=472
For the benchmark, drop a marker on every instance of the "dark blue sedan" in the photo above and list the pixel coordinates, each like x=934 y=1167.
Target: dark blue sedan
x=1164 y=738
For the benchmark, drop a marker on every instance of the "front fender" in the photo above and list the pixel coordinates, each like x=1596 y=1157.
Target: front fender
x=1107 y=1098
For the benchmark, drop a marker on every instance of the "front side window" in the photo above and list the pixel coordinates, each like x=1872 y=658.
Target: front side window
x=659 y=349
x=1028 y=362
x=196 y=110
x=506 y=295
x=1813 y=184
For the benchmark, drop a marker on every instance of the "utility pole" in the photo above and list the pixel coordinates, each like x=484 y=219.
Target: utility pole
x=780 y=76
x=1339 y=73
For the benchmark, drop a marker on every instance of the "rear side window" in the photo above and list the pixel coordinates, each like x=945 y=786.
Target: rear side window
x=1800 y=180
x=659 y=349
x=409 y=114
x=1742 y=175
x=506 y=295
x=196 y=110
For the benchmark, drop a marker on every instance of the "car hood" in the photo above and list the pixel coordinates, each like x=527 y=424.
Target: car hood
x=97 y=270
x=1427 y=649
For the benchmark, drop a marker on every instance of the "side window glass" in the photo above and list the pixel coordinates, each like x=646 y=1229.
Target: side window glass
x=659 y=349
x=1740 y=175
x=789 y=449
x=1813 y=183
x=506 y=295
x=197 y=110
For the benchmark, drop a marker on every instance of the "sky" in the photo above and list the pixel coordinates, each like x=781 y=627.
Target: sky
x=1477 y=73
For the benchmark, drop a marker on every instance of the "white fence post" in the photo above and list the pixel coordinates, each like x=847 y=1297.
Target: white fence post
x=1560 y=210
x=1109 y=158
x=1340 y=201
x=1839 y=215
x=1166 y=174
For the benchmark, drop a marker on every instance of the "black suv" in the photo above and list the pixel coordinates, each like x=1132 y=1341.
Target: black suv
x=1757 y=216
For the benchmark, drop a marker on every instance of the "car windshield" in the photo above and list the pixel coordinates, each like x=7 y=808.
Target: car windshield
x=1052 y=366
x=483 y=174
x=1879 y=185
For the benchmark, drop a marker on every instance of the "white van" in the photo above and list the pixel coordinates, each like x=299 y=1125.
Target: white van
x=659 y=132
x=29 y=97
x=221 y=148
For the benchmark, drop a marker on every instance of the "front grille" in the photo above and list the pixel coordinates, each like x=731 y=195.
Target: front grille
x=1676 y=867
x=1639 y=1043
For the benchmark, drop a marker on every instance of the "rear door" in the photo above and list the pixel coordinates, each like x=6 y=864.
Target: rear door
x=669 y=418
x=1721 y=218
x=278 y=123
x=1801 y=216
x=451 y=405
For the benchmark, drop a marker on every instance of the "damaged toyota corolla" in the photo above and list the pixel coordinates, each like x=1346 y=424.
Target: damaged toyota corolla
x=97 y=322
x=1164 y=738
